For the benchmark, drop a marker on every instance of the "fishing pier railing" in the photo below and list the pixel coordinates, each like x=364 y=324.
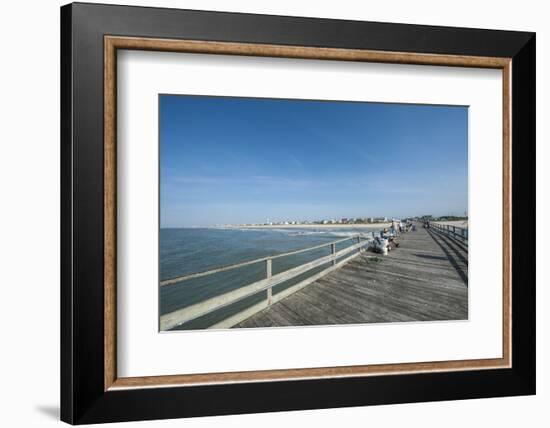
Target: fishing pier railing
x=212 y=304
x=456 y=232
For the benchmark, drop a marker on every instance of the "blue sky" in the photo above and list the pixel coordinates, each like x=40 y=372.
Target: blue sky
x=240 y=160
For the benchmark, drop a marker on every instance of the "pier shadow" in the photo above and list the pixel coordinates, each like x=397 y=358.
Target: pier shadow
x=438 y=238
x=452 y=245
x=460 y=244
x=426 y=256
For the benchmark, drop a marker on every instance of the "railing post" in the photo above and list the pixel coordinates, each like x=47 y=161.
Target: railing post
x=333 y=251
x=359 y=241
x=268 y=275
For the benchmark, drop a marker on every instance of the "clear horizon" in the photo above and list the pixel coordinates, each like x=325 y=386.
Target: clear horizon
x=226 y=160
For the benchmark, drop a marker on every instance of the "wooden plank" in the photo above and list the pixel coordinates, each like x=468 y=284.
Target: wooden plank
x=443 y=266
x=418 y=309
x=433 y=287
x=369 y=310
x=277 y=318
x=412 y=291
x=241 y=316
x=390 y=302
x=258 y=320
x=311 y=313
x=328 y=303
x=447 y=280
x=292 y=316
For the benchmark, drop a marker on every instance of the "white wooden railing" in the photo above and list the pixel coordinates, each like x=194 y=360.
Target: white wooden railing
x=456 y=232
x=197 y=310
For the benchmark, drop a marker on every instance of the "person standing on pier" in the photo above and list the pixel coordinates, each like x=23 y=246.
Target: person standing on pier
x=395 y=227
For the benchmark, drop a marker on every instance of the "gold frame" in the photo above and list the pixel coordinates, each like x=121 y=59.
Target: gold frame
x=113 y=43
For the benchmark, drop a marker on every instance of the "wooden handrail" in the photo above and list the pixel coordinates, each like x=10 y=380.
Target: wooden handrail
x=197 y=310
x=452 y=230
x=178 y=279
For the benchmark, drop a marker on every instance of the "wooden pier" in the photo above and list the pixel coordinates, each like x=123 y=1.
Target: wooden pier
x=425 y=279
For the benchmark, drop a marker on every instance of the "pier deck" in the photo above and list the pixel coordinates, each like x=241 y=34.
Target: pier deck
x=425 y=279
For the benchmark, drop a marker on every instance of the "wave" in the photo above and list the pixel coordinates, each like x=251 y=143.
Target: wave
x=309 y=232
x=289 y=231
x=339 y=233
x=370 y=234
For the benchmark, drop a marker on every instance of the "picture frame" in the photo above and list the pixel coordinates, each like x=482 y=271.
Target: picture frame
x=91 y=35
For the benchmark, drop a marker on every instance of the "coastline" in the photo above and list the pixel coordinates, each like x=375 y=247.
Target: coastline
x=308 y=226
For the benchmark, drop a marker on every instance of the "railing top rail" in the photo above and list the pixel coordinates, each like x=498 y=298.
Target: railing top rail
x=449 y=225
x=178 y=279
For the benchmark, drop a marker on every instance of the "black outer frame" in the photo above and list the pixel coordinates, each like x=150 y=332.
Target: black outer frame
x=83 y=399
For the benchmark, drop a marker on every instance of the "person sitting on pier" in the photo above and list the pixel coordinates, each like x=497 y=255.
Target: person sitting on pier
x=381 y=245
x=392 y=243
x=390 y=237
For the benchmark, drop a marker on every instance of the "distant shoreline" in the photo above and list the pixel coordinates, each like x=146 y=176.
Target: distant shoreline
x=307 y=226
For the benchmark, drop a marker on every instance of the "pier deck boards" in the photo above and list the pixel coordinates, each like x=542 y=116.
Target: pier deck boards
x=425 y=279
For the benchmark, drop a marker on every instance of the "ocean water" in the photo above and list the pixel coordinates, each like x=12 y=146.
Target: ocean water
x=188 y=250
